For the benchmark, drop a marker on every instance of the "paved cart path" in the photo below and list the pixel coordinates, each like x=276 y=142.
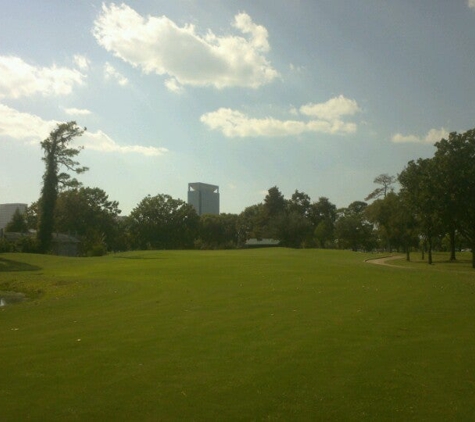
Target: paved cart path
x=384 y=261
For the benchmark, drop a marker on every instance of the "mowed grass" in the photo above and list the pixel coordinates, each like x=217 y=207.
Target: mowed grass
x=252 y=335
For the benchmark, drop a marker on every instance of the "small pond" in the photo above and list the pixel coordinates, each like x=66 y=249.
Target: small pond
x=9 y=298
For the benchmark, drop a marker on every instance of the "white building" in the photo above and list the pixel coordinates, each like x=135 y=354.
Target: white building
x=204 y=198
x=7 y=211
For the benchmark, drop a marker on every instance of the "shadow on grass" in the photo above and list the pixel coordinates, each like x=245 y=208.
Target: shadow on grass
x=7 y=265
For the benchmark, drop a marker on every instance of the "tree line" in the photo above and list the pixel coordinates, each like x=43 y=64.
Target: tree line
x=434 y=208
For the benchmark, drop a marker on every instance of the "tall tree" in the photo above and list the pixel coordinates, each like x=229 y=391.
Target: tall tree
x=323 y=216
x=58 y=154
x=274 y=202
x=386 y=181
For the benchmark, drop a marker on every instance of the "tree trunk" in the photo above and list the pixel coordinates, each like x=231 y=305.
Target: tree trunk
x=429 y=251
x=408 y=253
x=452 y=245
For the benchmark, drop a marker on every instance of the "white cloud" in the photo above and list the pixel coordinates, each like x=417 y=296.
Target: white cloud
x=233 y=123
x=471 y=4
x=100 y=141
x=20 y=79
x=158 y=45
x=32 y=129
x=77 y=111
x=82 y=62
x=23 y=126
x=111 y=73
x=331 y=110
x=433 y=136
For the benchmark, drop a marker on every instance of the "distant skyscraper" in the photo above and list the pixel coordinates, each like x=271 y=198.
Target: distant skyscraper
x=7 y=211
x=204 y=198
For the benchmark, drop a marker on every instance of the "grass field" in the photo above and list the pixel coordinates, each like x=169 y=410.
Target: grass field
x=251 y=335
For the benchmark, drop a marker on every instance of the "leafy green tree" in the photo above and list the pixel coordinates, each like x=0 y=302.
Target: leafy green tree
x=89 y=214
x=31 y=215
x=323 y=214
x=324 y=233
x=352 y=230
x=419 y=191
x=455 y=185
x=218 y=231
x=251 y=223
x=58 y=154
x=161 y=222
x=18 y=223
x=299 y=203
x=292 y=229
x=393 y=223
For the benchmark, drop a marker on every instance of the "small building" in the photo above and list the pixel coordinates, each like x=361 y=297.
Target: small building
x=204 y=198
x=65 y=245
x=62 y=244
x=261 y=243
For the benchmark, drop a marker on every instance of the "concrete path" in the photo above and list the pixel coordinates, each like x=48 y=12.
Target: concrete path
x=384 y=261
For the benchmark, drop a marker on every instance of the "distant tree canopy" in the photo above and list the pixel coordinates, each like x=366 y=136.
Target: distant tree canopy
x=218 y=231
x=161 y=222
x=291 y=221
x=88 y=214
x=352 y=228
x=434 y=208
x=58 y=154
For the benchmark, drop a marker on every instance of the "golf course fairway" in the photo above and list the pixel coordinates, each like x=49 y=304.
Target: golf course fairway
x=241 y=335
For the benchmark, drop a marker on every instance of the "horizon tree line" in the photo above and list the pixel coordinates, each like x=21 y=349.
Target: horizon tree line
x=434 y=209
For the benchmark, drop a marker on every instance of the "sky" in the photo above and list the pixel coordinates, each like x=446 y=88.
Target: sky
x=319 y=96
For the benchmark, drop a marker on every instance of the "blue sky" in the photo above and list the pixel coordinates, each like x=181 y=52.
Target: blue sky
x=316 y=95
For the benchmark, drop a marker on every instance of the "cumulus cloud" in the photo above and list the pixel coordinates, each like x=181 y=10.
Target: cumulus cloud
x=110 y=72
x=32 y=129
x=471 y=4
x=327 y=118
x=158 y=45
x=20 y=79
x=23 y=126
x=433 y=136
x=77 y=111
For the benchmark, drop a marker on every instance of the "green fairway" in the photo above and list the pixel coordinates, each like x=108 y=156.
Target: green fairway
x=252 y=335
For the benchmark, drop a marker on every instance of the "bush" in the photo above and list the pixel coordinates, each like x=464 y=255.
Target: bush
x=97 y=250
x=6 y=246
